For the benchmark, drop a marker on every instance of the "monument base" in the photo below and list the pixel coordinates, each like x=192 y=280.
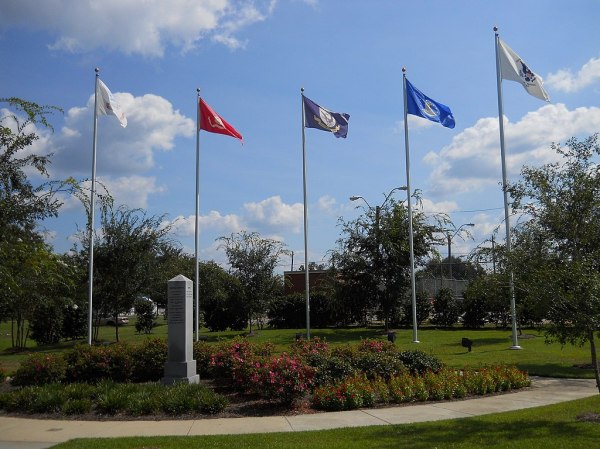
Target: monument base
x=195 y=379
x=180 y=372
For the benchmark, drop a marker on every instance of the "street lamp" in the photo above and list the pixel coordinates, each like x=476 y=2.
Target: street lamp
x=450 y=237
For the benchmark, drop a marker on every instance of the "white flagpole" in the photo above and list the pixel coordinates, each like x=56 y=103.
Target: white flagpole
x=515 y=341
x=92 y=207
x=196 y=224
x=410 y=215
x=306 y=271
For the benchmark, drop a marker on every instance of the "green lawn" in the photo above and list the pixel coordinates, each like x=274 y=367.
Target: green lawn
x=490 y=346
x=555 y=426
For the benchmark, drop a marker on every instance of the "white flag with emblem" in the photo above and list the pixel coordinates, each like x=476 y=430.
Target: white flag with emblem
x=108 y=105
x=513 y=68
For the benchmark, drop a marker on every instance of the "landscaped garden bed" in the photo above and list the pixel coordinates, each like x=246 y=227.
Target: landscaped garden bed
x=122 y=381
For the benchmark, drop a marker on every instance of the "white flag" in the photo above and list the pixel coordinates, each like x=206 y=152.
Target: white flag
x=108 y=105
x=513 y=68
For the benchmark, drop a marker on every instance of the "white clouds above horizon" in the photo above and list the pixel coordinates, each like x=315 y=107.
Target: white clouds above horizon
x=471 y=161
x=566 y=81
x=126 y=26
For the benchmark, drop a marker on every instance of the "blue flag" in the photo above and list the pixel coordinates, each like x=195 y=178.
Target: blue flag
x=421 y=105
x=317 y=117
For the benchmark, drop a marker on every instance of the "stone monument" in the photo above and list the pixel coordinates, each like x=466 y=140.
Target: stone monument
x=180 y=365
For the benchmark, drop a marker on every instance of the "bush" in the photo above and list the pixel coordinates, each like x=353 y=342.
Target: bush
x=148 y=360
x=95 y=363
x=46 y=324
x=329 y=369
x=283 y=379
x=380 y=364
x=232 y=354
x=144 y=311
x=203 y=354
x=349 y=394
x=40 y=369
x=74 y=323
x=184 y=398
x=446 y=308
x=474 y=306
x=419 y=362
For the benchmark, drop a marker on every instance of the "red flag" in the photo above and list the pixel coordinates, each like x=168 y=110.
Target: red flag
x=212 y=122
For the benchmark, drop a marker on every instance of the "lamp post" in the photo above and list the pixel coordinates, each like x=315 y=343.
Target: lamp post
x=377 y=211
x=450 y=237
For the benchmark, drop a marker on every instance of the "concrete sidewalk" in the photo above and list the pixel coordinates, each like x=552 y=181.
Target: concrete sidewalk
x=22 y=433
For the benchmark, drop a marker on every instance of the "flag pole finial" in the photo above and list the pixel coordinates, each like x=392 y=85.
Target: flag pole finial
x=97 y=70
x=495 y=29
x=403 y=69
x=302 y=89
x=198 y=90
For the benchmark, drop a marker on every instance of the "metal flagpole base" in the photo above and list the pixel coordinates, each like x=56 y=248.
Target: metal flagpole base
x=516 y=347
x=416 y=341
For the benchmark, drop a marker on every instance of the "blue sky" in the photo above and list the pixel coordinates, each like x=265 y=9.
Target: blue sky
x=250 y=59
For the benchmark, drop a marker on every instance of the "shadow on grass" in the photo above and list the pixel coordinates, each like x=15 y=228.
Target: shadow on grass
x=480 y=433
x=546 y=369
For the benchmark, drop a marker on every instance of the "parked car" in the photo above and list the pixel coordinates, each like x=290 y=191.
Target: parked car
x=110 y=320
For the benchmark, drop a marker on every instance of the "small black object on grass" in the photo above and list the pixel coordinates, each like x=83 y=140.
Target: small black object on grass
x=466 y=343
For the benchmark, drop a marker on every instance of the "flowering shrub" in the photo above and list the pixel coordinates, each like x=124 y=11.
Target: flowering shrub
x=94 y=363
x=148 y=360
x=494 y=378
x=402 y=389
x=313 y=346
x=370 y=345
x=283 y=378
x=40 y=369
x=351 y=393
x=203 y=352
x=232 y=355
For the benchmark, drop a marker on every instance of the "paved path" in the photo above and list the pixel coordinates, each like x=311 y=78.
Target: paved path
x=23 y=433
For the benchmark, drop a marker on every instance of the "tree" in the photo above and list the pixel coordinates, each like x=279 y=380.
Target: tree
x=446 y=308
x=253 y=260
x=373 y=257
x=144 y=312
x=562 y=237
x=29 y=273
x=221 y=298
x=127 y=252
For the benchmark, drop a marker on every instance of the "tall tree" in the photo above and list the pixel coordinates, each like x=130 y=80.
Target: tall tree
x=29 y=272
x=373 y=257
x=253 y=260
x=562 y=237
x=127 y=254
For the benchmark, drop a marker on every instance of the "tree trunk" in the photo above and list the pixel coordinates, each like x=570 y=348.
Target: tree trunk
x=595 y=361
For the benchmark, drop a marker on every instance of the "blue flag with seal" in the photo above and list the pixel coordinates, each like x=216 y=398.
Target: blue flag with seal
x=421 y=105
x=320 y=118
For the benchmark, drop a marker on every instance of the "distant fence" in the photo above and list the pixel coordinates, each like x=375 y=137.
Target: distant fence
x=432 y=285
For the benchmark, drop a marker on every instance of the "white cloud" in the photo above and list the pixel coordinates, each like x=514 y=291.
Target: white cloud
x=274 y=213
x=185 y=226
x=153 y=125
x=564 y=80
x=472 y=160
x=327 y=204
x=415 y=123
x=134 y=27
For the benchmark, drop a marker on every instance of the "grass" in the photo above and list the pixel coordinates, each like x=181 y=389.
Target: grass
x=490 y=346
x=549 y=427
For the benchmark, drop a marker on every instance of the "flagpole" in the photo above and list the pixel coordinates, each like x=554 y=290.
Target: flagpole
x=306 y=271
x=515 y=341
x=92 y=207
x=410 y=215
x=196 y=224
